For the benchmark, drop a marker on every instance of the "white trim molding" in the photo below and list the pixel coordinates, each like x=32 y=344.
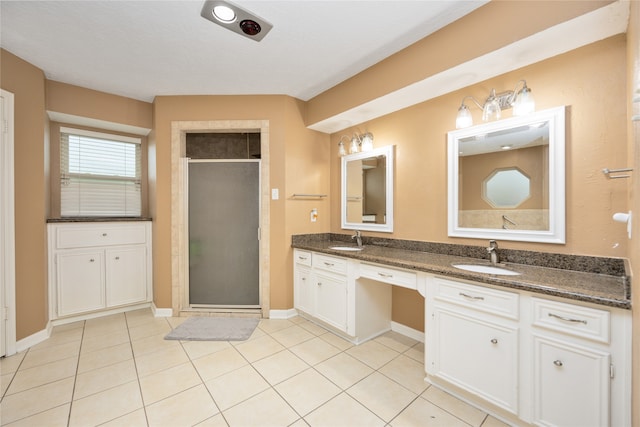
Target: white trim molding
x=7 y=225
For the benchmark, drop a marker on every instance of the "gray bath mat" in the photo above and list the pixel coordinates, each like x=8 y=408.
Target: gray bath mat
x=213 y=329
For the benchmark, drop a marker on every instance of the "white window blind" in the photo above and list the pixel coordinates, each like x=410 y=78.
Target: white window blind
x=99 y=174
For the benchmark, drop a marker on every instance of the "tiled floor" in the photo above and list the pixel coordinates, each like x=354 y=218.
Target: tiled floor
x=119 y=371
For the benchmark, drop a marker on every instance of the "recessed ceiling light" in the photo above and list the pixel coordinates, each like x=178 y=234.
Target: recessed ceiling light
x=234 y=18
x=224 y=14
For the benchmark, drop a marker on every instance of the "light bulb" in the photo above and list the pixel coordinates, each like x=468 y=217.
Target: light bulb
x=524 y=103
x=367 y=142
x=341 y=149
x=464 y=119
x=354 y=148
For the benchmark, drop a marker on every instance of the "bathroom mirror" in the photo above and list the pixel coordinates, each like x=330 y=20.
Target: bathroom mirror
x=506 y=179
x=367 y=190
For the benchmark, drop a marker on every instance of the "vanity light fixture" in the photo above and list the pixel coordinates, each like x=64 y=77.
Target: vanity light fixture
x=236 y=19
x=521 y=101
x=356 y=143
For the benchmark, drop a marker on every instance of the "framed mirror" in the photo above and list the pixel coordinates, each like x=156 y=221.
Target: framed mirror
x=506 y=179
x=367 y=190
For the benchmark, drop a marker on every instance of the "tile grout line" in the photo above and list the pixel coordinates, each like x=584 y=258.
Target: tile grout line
x=135 y=365
x=75 y=377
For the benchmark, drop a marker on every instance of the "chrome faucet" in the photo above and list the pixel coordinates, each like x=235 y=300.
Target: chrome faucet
x=493 y=251
x=358 y=237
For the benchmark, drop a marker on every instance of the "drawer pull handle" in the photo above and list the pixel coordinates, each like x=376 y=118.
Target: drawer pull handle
x=567 y=319
x=319 y=283
x=92 y=260
x=304 y=258
x=557 y=362
x=471 y=296
x=117 y=258
x=494 y=341
x=328 y=264
x=385 y=275
x=104 y=234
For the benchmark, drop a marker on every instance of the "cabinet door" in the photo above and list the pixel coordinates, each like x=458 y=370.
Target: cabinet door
x=304 y=290
x=331 y=300
x=80 y=282
x=126 y=275
x=571 y=385
x=478 y=356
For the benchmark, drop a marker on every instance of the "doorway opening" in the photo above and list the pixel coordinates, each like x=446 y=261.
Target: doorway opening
x=180 y=242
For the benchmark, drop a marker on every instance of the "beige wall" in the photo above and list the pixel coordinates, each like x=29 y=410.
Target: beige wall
x=590 y=81
x=83 y=102
x=461 y=41
x=27 y=83
x=298 y=164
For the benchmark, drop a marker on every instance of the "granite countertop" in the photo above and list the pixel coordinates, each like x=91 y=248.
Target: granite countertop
x=604 y=281
x=98 y=219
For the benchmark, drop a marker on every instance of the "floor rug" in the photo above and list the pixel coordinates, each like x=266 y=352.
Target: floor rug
x=214 y=329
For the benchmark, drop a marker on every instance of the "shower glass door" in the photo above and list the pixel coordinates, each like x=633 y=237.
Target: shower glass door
x=224 y=214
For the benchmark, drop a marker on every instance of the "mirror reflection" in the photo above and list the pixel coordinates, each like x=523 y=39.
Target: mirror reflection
x=506 y=179
x=367 y=189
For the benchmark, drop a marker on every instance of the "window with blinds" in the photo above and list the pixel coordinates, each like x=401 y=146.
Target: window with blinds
x=100 y=174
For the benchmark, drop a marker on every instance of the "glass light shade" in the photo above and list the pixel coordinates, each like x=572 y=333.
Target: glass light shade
x=355 y=146
x=491 y=109
x=464 y=119
x=367 y=142
x=341 y=150
x=524 y=103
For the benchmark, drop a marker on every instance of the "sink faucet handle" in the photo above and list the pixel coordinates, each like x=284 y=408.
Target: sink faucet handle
x=492 y=245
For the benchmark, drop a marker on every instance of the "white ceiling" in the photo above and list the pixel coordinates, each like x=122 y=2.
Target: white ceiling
x=141 y=49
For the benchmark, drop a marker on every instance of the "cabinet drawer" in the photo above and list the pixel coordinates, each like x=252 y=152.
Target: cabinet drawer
x=392 y=276
x=479 y=298
x=329 y=263
x=302 y=257
x=572 y=319
x=100 y=235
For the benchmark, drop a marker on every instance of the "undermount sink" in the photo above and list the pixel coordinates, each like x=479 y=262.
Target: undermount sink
x=488 y=269
x=346 y=248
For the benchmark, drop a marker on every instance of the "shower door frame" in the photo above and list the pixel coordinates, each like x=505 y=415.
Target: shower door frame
x=179 y=235
x=223 y=307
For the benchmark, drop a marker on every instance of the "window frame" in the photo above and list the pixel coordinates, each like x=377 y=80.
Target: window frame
x=56 y=129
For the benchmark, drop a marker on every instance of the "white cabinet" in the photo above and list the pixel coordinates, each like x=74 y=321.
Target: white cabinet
x=529 y=359
x=98 y=266
x=473 y=348
x=80 y=282
x=571 y=384
x=320 y=287
x=572 y=366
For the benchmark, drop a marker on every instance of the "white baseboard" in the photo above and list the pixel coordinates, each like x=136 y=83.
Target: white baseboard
x=161 y=312
x=407 y=331
x=283 y=314
x=34 y=339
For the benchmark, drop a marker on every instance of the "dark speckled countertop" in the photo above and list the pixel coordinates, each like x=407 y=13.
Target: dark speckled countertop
x=598 y=280
x=98 y=219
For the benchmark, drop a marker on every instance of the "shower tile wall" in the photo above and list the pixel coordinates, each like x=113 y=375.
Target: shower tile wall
x=223 y=145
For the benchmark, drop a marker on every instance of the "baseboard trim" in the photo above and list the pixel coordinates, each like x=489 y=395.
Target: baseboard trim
x=283 y=314
x=161 y=312
x=37 y=338
x=407 y=331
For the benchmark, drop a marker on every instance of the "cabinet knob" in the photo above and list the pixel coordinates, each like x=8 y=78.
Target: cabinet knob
x=319 y=283
x=92 y=260
x=104 y=234
x=557 y=362
x=494 y=341
x=117 y=258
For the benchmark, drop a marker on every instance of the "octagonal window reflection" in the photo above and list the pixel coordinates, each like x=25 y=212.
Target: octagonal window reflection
x=506 y=188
